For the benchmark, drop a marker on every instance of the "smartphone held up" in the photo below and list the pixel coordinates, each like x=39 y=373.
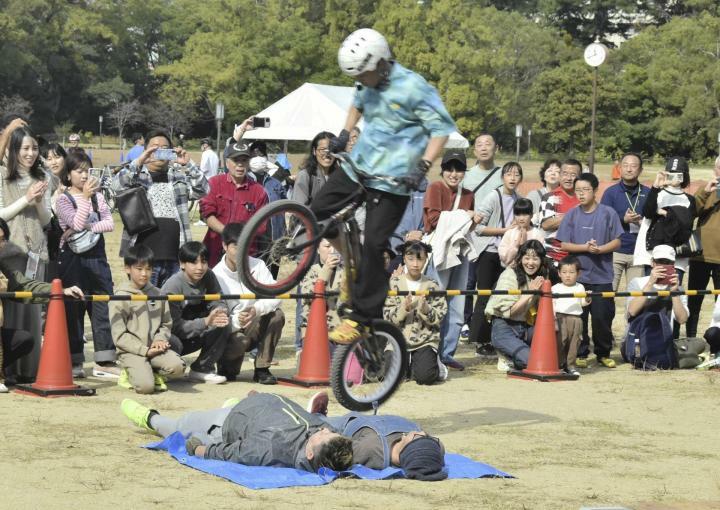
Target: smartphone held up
x=669 y=273
x=165 y=154
x=261 y=122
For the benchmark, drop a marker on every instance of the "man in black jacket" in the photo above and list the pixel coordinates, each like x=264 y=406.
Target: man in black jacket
x=263 y=429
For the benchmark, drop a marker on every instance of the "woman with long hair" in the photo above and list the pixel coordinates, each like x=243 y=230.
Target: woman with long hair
x=315 y=170
x=25 y=206
x=513 y=316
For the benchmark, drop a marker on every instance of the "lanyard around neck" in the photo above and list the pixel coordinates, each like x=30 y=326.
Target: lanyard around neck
x=633 y=206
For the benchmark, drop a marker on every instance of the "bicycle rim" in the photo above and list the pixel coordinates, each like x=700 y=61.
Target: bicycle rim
x=368 y=372
x=292 y=249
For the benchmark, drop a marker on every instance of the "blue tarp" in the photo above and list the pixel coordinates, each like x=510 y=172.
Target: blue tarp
x=262 y=477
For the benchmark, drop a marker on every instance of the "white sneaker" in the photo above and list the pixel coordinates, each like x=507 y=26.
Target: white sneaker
x=3 y=388
x=206 y=377
x=504 y=364
x=110 y=371
x=77 y=371
x=443 y=373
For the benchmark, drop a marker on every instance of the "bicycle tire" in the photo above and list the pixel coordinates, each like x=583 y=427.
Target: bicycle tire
x=394 y=370
x=279 y=251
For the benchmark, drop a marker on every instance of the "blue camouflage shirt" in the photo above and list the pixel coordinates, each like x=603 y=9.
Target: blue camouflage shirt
x=399 y=120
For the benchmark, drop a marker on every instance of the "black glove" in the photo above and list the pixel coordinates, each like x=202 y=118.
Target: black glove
x=414 y=180
x=339 y=143
x=191 y=443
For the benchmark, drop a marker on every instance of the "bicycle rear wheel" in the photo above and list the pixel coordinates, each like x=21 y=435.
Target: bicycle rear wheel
x=293 y=251
x=367 y=372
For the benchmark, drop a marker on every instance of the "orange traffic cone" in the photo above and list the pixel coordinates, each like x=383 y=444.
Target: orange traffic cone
x=54 y=377
x=314 y=367
x=543 y=361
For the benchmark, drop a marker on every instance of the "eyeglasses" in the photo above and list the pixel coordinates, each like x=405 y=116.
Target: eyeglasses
x=324 y=152
x=583 y=190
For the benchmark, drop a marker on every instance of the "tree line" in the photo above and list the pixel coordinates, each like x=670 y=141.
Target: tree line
x=165 y=63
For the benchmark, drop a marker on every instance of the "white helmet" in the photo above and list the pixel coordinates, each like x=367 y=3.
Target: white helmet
x=362 y=50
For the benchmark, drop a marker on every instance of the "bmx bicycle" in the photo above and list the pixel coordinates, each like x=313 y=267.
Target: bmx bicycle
x=366 y=372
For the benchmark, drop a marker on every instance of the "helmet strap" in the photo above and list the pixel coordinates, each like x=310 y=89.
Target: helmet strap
x=384 y=71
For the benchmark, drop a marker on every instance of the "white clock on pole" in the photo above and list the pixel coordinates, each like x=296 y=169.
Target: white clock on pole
x=595 y=54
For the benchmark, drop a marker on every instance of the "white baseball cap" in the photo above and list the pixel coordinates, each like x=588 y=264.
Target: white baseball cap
x=664 y=252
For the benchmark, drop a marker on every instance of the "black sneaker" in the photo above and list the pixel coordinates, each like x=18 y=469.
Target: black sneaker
x=263 y=376
x=486 y=351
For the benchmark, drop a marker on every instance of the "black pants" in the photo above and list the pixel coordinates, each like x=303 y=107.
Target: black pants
x=211 y=346
x=89 y=271
x=384 y=212
x=470 y=300
x=15 y=344
x=712 y=337
x=700 y=274
x=488 y=270
x=424 y=368
x=603 y=313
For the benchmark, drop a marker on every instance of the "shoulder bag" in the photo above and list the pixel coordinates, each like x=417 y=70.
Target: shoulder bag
x=135 y=210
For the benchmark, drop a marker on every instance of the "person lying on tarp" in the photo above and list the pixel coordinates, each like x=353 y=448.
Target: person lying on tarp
x=263 y=429
x=379 y=442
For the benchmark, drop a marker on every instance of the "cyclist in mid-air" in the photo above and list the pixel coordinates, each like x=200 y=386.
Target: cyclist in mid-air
x=406 y=127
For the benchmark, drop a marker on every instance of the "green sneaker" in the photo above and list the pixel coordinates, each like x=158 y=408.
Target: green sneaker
x=708 y=364
x=581 y=363
x=231 y=402
x=606 y=362
x=138 y=414
x=124 y=380
x=159 y=382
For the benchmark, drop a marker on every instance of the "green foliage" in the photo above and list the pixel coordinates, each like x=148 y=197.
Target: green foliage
x=143 y=63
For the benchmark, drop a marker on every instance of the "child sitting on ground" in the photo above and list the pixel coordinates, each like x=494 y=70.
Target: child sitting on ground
x=521 y=231
x=418 y=317
x=568 y=313
x=141 y=329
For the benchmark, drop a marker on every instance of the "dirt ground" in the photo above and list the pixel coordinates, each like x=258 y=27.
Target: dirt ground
x=618 y=438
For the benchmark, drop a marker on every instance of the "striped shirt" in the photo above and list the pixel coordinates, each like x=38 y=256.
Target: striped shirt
x=80 y=219
x=554 y=203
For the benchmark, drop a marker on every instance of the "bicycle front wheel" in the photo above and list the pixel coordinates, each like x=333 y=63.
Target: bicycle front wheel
x=367 y=372
x=293 y=248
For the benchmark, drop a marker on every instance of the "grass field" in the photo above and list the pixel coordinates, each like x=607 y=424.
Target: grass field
x=615 y=437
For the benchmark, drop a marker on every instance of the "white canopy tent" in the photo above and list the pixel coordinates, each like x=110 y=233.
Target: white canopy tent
x=312 y=108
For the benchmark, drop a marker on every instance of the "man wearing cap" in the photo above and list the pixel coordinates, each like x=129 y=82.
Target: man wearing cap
x=209 y=161
x=653 y=315
x=383 y=441
x=233 y=198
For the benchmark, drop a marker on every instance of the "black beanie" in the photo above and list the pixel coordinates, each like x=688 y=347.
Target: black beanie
x=422 y=459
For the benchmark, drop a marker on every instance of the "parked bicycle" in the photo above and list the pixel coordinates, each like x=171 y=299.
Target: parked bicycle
x=367 y=372
x=105 y=177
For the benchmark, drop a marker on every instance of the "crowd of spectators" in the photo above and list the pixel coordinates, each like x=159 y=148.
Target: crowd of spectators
x=469 y=229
